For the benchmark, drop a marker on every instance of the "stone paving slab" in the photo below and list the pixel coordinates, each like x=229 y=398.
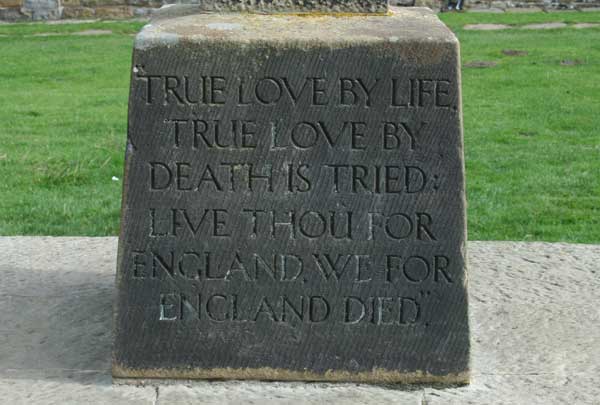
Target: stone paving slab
x=534 y=313
x=268 y=393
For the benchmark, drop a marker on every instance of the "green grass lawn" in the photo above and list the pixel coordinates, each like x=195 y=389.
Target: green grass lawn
x=532 y=128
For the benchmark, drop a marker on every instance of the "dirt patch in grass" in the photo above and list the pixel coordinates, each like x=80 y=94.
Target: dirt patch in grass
x=46 y=34
x=571 y=62
x=480 y=64
x=514 y=52
x=586 y=25
x=545 y=26
x=93 y=32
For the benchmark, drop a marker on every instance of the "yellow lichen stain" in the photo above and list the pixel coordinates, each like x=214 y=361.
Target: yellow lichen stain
x=375 y=376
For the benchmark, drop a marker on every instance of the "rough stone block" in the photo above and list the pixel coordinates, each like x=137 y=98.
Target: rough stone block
x=11 y=14
x=286 y=6
x=403 y=3
x=435 y=5
x=78 y=12
x=10 y=3
x=42 y=9
x=499 y=5
x=114 y=12
x=294 y=202
x=143 y=11
x=102 y=3
x=145 y=3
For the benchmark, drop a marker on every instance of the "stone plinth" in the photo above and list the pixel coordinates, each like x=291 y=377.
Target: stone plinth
x=294 y=201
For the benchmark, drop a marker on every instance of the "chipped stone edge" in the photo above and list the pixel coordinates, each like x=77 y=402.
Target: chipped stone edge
x=126 y=375
x=148 y=38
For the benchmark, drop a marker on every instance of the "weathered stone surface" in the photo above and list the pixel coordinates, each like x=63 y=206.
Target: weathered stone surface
x=70 y=3
x=145 y=3
x=405 y=3
x=101 y=3
x=144 y=7
x=217 y=393
x=78 y=12
x=143 y=11
x=114 y=12
x=434 y=5
x=42 y=9
x=534 y=325
x=56 y=338
x=10 y=3
x=533 y=306
x=11 y=14
x=70 y=388
x=294 y=201
x=282 y=6
x=497 y=4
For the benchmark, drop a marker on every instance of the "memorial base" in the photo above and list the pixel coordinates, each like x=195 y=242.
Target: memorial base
x=294 y=201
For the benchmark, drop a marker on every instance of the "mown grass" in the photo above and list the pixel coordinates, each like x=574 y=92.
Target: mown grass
x=63 y=108
x=531 y=128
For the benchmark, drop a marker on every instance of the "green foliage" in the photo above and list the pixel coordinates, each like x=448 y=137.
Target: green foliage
x=531 y=128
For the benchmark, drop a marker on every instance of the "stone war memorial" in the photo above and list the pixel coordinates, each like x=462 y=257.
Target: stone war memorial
x=294 y=197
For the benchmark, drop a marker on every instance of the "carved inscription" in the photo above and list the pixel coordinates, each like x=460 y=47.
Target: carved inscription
x=194 y=133
x=313 y=207
x=212 y=90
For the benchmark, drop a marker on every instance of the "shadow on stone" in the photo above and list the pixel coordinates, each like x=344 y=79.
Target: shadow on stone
x=57 y=326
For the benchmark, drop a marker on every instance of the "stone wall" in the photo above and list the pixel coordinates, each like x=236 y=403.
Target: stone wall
x=23 y=10
x=20 y=10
